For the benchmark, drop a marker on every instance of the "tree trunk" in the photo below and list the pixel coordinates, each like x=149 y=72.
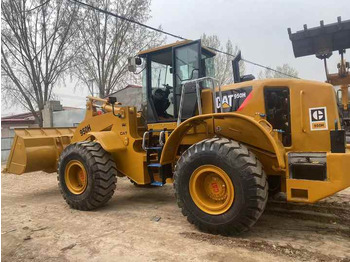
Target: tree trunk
x=38 y=118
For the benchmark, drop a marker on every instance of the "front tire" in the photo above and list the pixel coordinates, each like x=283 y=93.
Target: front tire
x=220 y=186
x=86 y=175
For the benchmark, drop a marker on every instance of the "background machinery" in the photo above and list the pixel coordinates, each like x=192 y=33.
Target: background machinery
x=322 y=41
x=219 y=145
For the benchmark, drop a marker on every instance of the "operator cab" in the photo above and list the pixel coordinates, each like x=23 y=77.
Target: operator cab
x=165 y=69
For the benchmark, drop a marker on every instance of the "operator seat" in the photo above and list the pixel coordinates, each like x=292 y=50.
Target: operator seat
x=161 y=102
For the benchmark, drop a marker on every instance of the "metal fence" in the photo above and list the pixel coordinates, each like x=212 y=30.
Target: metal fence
x=6 y=143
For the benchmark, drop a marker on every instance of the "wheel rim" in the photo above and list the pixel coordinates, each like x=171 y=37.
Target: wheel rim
x=75 y=177
x=211 y=189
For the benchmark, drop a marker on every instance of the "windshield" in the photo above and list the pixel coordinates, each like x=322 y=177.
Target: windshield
x=161 y=75
x=162 y=90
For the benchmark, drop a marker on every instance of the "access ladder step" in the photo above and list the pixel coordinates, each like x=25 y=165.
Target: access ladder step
x=155 y=130
x=156 y=183
x=154 y=165
x=154 y=148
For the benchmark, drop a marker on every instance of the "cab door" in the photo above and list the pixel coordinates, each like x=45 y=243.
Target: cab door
x=186 y=66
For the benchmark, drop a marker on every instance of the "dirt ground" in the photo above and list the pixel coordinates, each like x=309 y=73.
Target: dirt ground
x=144 y=224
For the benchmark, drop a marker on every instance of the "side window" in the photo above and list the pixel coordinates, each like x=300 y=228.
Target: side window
x=207 y=64
x=277 y=106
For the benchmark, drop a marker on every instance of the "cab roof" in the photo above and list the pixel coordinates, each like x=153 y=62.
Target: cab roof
x=170 y=46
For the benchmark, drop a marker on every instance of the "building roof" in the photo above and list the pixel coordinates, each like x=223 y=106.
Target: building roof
x=18 y=116
x=15 y=120
x=27 y=117
x=128 y=86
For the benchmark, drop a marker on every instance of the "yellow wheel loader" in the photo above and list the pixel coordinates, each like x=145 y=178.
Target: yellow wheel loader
x=220 y=145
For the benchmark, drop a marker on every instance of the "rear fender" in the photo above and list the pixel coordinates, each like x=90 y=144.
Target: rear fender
x=255 y=133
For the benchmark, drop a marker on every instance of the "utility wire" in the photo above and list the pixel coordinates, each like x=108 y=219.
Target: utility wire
x=170 y=34
x=253 y=63
x=127 y=19
x=269 y=68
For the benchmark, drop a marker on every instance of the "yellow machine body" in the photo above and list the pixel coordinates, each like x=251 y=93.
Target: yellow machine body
x=120 y=132
x=39 y=149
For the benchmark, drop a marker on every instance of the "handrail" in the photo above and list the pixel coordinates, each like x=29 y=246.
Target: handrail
x=199 y=102
x=301 y=109
x=266 y=123
x=161 y=135
x=144 y=140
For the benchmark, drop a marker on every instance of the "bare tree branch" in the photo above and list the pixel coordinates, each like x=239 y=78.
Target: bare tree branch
x=106 y=42
x=223 y=63
x=36 y=49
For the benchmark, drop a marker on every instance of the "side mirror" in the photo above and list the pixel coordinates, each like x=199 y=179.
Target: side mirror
x=133 y=62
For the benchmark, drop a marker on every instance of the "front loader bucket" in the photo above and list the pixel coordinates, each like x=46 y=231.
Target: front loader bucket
x=35 y=149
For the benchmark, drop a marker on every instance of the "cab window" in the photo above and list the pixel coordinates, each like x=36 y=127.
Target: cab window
x=162 y=93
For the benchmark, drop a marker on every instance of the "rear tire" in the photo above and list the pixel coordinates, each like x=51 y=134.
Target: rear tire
x=91 y=160
x=237 y=166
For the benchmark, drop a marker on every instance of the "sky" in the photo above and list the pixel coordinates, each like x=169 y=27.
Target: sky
x=258 y=27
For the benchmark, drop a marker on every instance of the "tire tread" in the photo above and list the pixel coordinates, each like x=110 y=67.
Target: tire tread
x=248 y=164
x=104 y=173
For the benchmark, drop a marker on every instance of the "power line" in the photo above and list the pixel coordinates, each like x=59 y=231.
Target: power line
x=127 y=19
x=173 y=35
x=269 y=68
x=253 y=63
